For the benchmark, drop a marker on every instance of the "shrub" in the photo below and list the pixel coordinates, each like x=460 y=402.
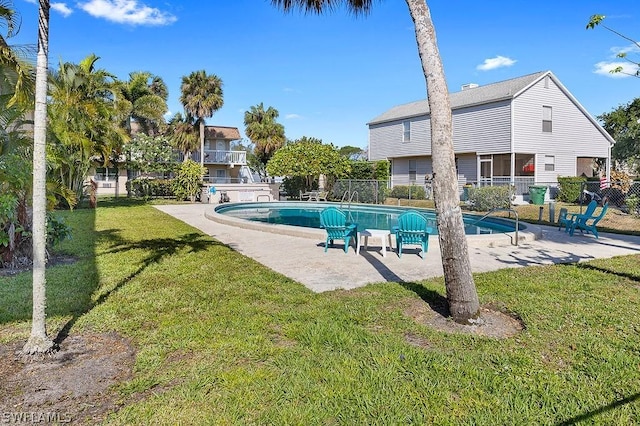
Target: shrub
x=490 y=197
x=188 y=180
x=633 y=205
x=413 y=192
x=145 y=187
x=57 y=230
x=569 y=188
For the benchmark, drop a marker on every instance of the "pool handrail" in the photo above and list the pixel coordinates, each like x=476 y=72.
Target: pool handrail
x=498 y=209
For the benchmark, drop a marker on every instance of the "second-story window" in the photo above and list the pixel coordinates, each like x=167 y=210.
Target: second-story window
x=406 y=131
x=546 y=119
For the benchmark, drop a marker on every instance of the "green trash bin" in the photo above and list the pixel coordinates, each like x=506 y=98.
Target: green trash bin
x=537 y=193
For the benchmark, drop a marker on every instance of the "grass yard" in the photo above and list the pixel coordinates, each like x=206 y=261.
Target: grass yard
x=220 y=339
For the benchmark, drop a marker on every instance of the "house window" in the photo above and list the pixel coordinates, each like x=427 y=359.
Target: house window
x=412 y=170
x=406 y=131
x=546 y=119
x=103 y=173
x=549 y=163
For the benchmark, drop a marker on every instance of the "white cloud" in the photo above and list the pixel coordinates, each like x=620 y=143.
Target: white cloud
x=31 y=1
x=626 y=69
x=62 y=8
x=497 y=62
x=292 y=116
x=632 y=48
x=127 y=12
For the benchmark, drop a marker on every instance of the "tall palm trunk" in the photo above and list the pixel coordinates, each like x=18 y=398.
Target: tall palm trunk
x=461 y=290
x=202 y=142
x=38 y=341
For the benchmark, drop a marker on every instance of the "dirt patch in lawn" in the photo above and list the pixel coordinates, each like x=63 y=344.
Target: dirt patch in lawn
x=492 y=322
x=73 y=385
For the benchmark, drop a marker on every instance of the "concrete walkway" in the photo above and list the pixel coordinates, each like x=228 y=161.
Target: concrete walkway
x=302 y=258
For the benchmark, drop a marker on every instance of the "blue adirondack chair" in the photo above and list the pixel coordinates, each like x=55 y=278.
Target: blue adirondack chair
x=588 y=223
x=412 y=229
x=334 y=221
x=565 y=220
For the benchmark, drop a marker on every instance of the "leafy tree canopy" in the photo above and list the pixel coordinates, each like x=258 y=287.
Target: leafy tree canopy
x=150 y=154
x=352 y=152
x=596 y=20
x=309 y=158
x=623 y=125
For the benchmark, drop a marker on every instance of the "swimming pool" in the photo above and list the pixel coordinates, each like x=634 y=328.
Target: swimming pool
x=307 y=215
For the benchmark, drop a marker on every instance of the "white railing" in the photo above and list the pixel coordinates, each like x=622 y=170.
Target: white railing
x=221 y=157
x=521 y=183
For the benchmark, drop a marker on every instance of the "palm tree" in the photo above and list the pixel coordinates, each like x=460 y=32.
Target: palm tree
x=84 y=121
x=14 y=68
x=38 y=341
x=262 y=129
x=461 y=290
x=201 y=97
x=142 y=99
x=183 y=134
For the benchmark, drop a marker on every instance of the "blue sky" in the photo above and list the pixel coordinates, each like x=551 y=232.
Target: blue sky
x=329 y=75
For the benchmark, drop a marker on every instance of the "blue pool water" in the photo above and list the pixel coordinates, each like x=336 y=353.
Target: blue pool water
x=366 y=216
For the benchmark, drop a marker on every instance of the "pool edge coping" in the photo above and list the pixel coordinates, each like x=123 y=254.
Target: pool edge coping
x=532 y=232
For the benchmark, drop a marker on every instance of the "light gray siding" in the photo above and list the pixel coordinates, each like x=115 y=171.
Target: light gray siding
x=572 y=131
x=400 y=170
x=480 y=128
x=483 y=128
x=467 y=167
x=385 y=140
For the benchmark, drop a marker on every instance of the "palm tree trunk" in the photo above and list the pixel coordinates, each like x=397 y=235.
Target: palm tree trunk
x=461 y=291
x=202 y=142
x=38 y=341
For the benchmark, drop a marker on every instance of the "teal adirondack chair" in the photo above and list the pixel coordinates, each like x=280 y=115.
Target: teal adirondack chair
x=588 y=223
x=412 y=229
x=565 y=220
x=334 y=221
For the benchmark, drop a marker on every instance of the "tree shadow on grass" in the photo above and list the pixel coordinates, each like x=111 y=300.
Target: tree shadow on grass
x=632 y=277
x=157 y=248
x=437 y=302
x=590 y=414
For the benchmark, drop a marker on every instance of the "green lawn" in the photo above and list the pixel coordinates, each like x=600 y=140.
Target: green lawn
x=221 y=339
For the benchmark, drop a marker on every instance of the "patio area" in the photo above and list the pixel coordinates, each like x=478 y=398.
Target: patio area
x=302 y=258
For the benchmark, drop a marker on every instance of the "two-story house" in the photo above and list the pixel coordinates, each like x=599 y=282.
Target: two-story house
x=223 y=164
x=522 y=131
x=226 y=169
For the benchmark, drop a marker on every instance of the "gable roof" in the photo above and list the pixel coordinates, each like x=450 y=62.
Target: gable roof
x=221 y=132
x=494 y=92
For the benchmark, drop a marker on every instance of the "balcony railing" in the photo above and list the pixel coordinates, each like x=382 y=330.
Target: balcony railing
x=222 y=157
x=521 y=183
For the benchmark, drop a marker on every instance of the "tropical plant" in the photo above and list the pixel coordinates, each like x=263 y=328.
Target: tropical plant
x=309 y=158
x=201 y=96
x=460 y=287
x=15 y=70
x=183 y=134
x=143 y=100
x=264 y=131
x=84 y=123
x=188 y=180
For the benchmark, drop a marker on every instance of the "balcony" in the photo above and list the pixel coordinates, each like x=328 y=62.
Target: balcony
x=238 y=158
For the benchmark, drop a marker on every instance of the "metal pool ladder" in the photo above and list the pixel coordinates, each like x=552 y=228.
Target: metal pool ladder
x=349 y=196
x=501 y=209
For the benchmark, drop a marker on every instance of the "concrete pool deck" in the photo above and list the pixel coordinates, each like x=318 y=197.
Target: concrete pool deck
x=302 y=258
